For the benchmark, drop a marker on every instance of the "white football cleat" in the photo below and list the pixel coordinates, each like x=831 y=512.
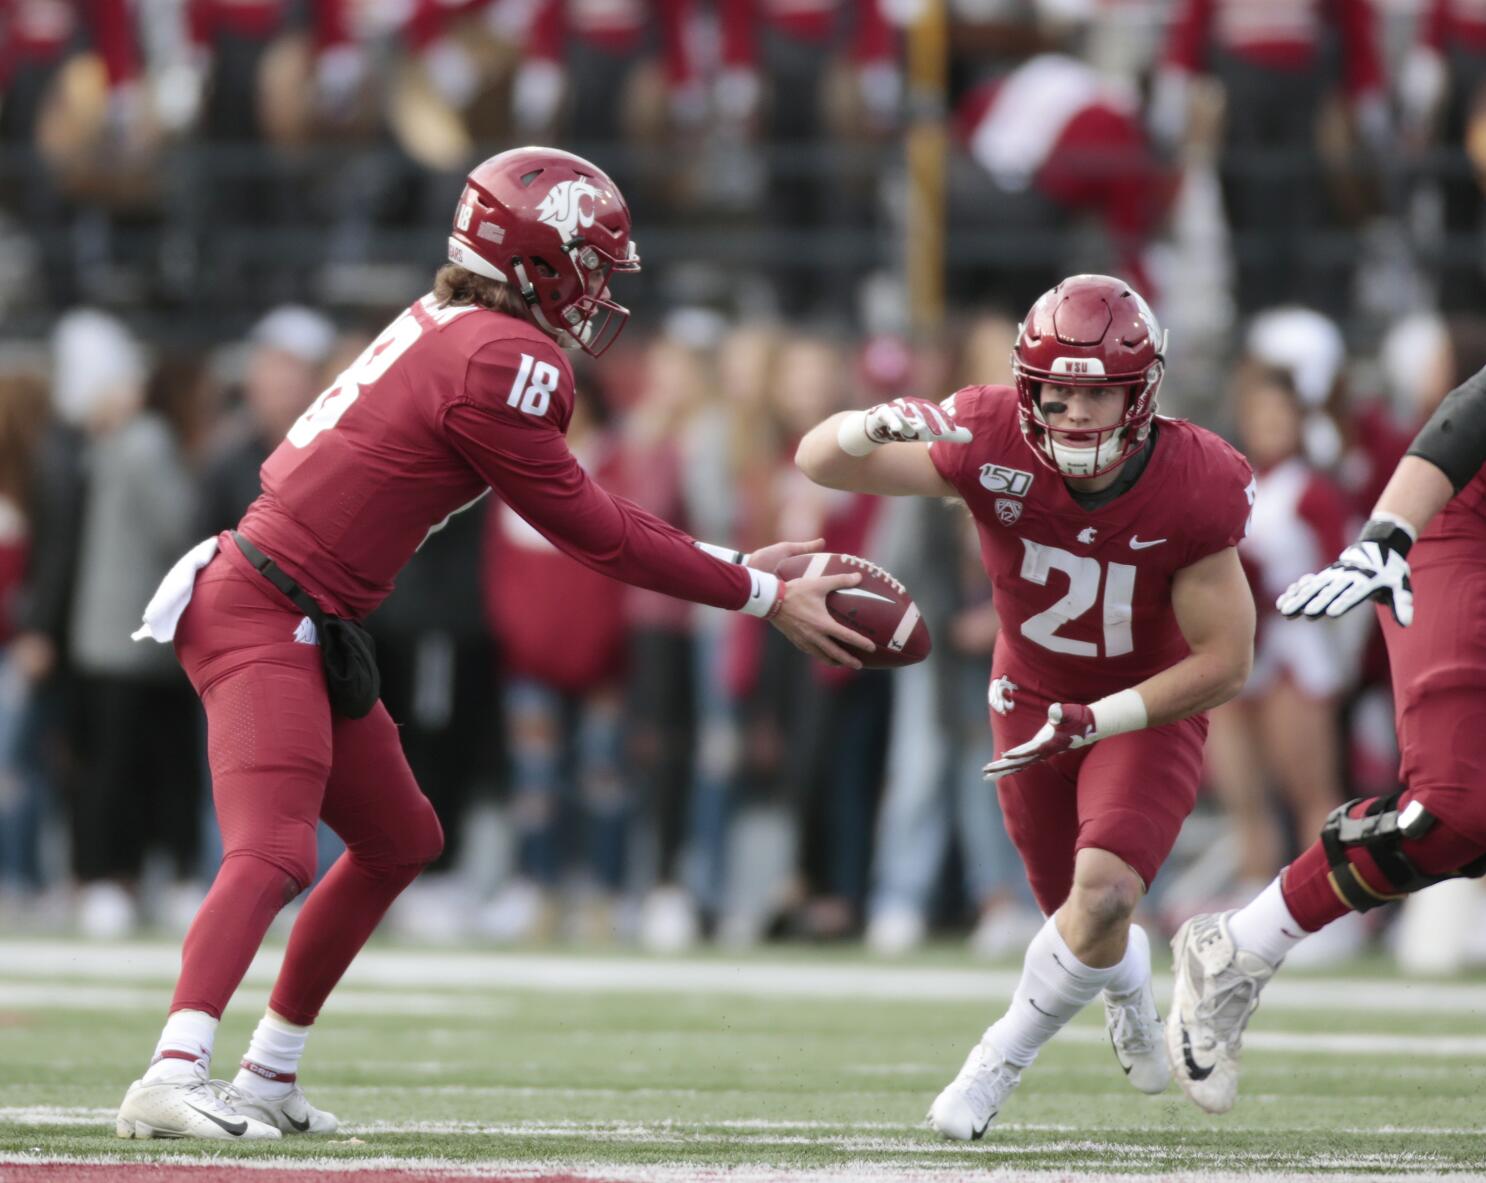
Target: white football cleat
x=1135 y=1031
x=1217 y=989
x=970 y=1102
x=290 y=1114
x=184 y=1108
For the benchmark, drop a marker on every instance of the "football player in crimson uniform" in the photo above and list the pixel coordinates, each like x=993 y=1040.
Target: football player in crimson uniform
x=1109 y=536
x=1423 y=555
x=466 y=391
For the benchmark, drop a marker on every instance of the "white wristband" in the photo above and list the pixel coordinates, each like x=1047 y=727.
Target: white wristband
x=1118 y=713
x=851 y=434
x=762 y=595
x=726 y=553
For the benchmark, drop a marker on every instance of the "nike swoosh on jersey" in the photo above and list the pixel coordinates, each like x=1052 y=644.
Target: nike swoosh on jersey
x=236 y=1129
x=858 y=591
x=1137 y=544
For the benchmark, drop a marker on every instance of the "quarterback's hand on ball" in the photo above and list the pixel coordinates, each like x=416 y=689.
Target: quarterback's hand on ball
x=804 y=618
x=1068 y=726
x=1372 y=568
x=768 y=558
x=905 y=420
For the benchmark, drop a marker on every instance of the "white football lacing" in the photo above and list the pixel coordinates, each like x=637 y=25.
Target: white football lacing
x=987 y=1083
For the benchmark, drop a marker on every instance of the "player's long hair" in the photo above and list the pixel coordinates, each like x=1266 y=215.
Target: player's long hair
x=455 y=285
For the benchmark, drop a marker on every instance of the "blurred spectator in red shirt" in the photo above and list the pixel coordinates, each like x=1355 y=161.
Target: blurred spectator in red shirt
x=590 y=51
x=1442 y=89
x=781 y=62
x=1268 y=55
x=561 y=633
x=1055 y=140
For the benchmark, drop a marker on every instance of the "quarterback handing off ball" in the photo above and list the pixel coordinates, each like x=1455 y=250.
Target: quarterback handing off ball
x=879 y=608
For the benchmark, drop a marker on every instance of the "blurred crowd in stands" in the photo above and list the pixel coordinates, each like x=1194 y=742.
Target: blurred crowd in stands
x=208 y=207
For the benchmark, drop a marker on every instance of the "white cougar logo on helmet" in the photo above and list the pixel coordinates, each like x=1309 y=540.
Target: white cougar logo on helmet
x=569 y=207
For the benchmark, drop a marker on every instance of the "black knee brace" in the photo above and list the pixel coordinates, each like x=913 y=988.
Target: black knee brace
x=1381 y=831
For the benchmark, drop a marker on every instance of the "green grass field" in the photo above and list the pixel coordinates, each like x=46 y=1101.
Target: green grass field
x=792 y=1066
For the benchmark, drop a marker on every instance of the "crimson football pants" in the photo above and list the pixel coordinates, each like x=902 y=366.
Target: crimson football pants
x=280 y=761
x=1439 y=690
x=1128 y=794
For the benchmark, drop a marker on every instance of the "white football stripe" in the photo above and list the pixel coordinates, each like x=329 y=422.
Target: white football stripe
x=115 y=963
x=817 y=566
x=865 y=594
x=905 y=628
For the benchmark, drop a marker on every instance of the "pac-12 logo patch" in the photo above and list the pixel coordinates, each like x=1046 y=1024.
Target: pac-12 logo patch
x=1000 y=479
x=1008 y=511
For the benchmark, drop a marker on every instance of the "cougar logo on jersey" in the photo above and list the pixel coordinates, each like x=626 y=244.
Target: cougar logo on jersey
x=569 y=207
x=1000 y=479
x=1009 y=512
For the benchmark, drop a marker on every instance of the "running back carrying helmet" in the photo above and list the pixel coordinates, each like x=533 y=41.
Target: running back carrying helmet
x=555 y=228
x=1090 y=330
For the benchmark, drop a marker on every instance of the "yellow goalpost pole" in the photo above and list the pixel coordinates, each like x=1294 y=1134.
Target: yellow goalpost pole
x=927 y=143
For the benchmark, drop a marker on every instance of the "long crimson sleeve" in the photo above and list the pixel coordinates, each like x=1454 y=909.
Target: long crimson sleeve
x=872 y=39
x=1186 y=44
x=113 y=37
x=544 y=38
x=736 y=20
x=1362 y=60
x=674 y=17
x=528 y=464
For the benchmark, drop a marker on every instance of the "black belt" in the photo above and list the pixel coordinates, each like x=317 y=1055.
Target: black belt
x=347 y=651
x=275 y=575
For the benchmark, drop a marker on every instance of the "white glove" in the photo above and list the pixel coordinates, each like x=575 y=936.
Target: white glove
x=904 y=420
x=1372 y=568
x=1069 y=726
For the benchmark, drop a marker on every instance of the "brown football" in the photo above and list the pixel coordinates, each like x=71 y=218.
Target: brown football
x=879 y=607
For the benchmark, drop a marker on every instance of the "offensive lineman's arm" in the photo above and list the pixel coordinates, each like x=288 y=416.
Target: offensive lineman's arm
x=1446 y=454
x=1215 y=612
x=882 y=450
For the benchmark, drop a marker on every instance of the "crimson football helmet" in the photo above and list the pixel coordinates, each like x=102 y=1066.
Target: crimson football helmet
x=1090 y=330
x=555 y=227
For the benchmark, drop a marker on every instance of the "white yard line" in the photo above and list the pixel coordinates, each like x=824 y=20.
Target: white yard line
x=36 y=995
x=1344 y=1168
x=739 y=1130
x=424 y=969
x=39 y=995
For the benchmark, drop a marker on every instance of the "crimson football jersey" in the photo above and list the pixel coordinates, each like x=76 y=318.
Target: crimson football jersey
x=1464 y=515
x=446 y=402
x=1084 y=596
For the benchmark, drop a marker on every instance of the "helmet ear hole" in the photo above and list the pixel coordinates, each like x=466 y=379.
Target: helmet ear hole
x=544 y=268
x=527 y=178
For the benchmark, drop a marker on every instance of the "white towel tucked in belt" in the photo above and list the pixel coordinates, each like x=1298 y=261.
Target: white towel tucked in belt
x=163 y=612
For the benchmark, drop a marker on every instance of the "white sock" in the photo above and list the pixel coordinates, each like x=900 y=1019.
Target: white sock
x=1134 y=968
x=1264 y=925
x=271 y=1064
x=1055 y=986
x=185 y=1047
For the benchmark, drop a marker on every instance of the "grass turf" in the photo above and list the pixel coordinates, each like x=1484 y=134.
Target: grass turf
x=584 y=1077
